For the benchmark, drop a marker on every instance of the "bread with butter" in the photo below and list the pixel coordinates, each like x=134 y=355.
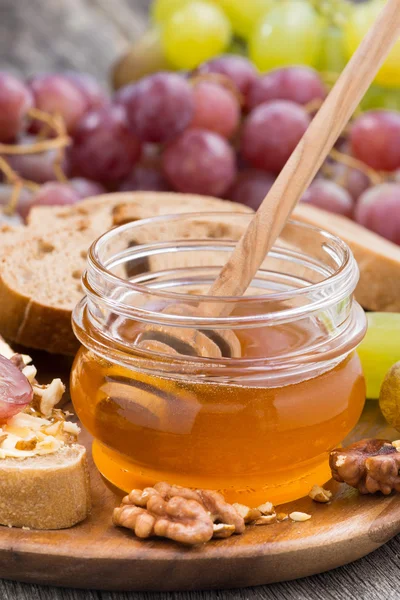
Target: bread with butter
x=44 y=478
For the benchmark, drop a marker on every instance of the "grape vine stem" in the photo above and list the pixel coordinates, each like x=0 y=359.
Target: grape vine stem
x=354 y=163
x=59 y=143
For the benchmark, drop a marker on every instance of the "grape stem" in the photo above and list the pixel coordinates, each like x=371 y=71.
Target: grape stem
x=349 y=161
x=59 y=143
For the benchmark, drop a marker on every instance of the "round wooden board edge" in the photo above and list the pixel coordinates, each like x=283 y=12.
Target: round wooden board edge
x=162 y=576
x=156 y=565
x=95 y=555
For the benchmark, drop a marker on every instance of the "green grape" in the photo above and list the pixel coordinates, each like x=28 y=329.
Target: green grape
x=162 y=10
x=194 y=34
x=378 y=97
x=245 y=14
x=334 y=11
x=380 y=349
x=332 y=57
x=290 y=34
x=358 y=24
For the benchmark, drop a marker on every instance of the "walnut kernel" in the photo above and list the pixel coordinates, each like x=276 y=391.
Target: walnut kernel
x=49 y=395
x=320 y=494
x=221 y=530
x=267 y=508
x=181 y=514
x=369 y=465
x=266 y=519
x=247 y=513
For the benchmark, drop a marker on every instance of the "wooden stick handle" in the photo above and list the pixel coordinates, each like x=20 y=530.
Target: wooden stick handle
x=307 y=158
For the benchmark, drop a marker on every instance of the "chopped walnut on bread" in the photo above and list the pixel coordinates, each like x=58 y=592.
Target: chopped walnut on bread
x=44 y=481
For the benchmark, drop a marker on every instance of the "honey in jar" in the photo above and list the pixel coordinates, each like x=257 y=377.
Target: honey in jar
x=258 y=426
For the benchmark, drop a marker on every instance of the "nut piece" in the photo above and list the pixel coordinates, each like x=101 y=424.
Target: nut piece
x=48 y=396
x=26 y=445
x=181 y=514
x=247 y=513
x=299 y=516
x=266 y=520
x=368 y=465
x=320 y=494
x=30 y=373
x=267 y=508
x=221 y=530
x=282 y=516
x=178 y=519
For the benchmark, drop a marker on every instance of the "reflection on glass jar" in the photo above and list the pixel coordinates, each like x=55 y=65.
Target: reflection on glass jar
x=257 y=426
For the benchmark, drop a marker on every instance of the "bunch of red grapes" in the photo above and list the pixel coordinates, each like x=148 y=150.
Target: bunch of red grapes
x=223 y=130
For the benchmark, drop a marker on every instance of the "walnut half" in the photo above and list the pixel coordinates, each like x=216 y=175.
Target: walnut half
x=180 y=514
x=369 y=465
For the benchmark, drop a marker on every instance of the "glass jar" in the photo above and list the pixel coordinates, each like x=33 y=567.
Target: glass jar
x=257 y=426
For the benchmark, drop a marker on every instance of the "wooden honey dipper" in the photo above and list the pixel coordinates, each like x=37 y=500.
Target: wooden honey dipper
x=267 y=224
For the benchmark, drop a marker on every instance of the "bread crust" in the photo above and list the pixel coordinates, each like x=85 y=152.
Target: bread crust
x=35 y=325
x=377 y=258
x=45 y=492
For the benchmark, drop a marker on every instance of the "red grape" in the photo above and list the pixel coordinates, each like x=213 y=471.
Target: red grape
x=15 y=390
x=375 y=139
x=330 y=196
x=85 y=188
x=200 y=162
x=55 y=94
x=147 y=178
x=104 y=149
x=298 y=84
x=237 y=68
x=215 y=109
x=15 y=101
x=378 y=209
x=159 y=107
x=124 y=94
x=251 y=187
x=55 y=194
x=38 y=167
x=94 y=95
x=271 y=132
x=353 y=180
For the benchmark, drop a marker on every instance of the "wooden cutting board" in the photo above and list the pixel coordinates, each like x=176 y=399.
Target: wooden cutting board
x=96 y=555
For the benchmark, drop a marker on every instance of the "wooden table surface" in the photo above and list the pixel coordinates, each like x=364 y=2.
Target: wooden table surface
x=88 y=35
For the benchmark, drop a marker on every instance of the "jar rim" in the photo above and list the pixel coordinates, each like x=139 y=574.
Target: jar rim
x=344 y=278
x=110 y=302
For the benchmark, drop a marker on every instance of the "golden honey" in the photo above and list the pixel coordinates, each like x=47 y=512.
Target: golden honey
x=258 y=427
x=254 y=443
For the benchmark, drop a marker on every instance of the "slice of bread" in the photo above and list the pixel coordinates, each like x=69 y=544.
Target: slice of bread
x=377 y=258
x=45 y=492
x=40 y=284
x=40 y=270
x=101 y=210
